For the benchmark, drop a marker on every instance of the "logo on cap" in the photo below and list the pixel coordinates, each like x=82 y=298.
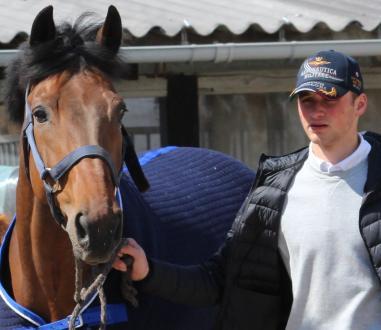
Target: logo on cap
x=318 y=61
x=319 y=69
x=332 y=93
x=356 y=82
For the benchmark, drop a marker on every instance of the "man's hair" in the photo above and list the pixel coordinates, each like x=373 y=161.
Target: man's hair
x=354 y=96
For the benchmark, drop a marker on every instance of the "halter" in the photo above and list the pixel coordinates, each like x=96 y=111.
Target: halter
x=64 y=165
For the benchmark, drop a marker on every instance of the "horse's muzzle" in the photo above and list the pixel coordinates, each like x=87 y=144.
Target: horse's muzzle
x=94 y=240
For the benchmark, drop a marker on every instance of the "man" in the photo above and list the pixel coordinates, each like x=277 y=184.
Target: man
x=304 y=250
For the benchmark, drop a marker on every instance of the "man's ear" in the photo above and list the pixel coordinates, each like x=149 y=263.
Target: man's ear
x=361 y=104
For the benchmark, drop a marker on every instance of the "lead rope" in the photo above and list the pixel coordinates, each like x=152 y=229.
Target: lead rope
x=99 y=274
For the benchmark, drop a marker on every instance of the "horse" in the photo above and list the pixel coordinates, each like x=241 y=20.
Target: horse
x=75 y=199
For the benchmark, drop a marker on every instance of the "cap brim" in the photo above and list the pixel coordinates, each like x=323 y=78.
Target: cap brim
x=298 y=90
x=330 y=91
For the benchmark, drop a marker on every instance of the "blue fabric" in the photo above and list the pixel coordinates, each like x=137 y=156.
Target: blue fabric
x=152 y=154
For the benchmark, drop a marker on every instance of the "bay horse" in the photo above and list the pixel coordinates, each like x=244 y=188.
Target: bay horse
x=75 y=199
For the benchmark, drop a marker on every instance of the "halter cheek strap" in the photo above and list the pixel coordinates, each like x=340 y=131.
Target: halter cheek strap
x=64 y=165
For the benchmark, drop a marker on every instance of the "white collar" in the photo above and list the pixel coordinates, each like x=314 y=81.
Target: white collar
x=347 y=163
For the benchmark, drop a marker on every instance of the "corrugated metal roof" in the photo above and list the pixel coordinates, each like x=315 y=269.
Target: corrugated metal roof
x=139 y=16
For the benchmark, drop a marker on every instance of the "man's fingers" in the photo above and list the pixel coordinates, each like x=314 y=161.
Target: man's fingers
x=126 y=249
x=136 y=259
x=119 y=265
x=131 y=248
x=132 y=242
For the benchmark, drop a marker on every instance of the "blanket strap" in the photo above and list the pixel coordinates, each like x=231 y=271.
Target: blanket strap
x=116 y=313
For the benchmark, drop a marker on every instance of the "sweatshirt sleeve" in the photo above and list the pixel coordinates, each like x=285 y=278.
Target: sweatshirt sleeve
x=197 y=285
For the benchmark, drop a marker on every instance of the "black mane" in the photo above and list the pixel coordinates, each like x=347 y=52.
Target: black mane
x=73 y=49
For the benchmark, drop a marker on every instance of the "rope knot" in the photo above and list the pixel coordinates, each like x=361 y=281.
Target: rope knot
x=99 y=275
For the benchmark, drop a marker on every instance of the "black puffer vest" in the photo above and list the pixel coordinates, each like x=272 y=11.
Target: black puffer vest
x=257 y=293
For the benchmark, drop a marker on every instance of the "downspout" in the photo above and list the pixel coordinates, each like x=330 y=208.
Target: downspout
x=231 y=52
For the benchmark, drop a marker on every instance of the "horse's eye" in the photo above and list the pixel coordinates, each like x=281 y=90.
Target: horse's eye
x=40 y=115
x=122 y=110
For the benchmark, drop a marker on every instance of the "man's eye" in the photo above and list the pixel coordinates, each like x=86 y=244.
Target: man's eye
x=330 y=103
x=40 y=115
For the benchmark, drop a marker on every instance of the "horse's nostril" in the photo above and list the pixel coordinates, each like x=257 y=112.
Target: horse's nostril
x=81 y=226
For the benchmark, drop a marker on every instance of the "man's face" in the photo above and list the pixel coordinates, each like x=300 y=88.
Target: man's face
x=330 y=122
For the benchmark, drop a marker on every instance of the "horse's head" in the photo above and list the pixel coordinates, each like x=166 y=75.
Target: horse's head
x=73 y=117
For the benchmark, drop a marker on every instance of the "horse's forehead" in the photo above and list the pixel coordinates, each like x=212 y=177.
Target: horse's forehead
x=88 y=80
x=87 y=85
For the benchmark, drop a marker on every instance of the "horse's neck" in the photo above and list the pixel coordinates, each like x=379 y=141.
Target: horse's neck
x=40 y=258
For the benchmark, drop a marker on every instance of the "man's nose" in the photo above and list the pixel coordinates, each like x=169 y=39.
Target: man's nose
x=319 y=110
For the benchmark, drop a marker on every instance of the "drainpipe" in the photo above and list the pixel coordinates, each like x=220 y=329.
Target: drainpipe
x=231 y=52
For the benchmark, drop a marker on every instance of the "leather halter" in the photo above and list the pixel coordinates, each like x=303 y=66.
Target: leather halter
x=64 y=165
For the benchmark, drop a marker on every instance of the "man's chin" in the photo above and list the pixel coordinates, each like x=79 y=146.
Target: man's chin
x=315 y=138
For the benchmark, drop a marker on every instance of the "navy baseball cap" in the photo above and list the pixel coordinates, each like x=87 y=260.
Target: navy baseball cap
x=329 y=73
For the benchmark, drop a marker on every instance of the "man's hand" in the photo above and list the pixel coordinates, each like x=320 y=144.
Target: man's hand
x=140 y=266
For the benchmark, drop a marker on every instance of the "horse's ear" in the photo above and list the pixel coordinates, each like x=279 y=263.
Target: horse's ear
x=110 y=34
x=43 y=28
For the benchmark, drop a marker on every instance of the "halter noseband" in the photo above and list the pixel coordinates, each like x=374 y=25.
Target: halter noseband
x=64 y=165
